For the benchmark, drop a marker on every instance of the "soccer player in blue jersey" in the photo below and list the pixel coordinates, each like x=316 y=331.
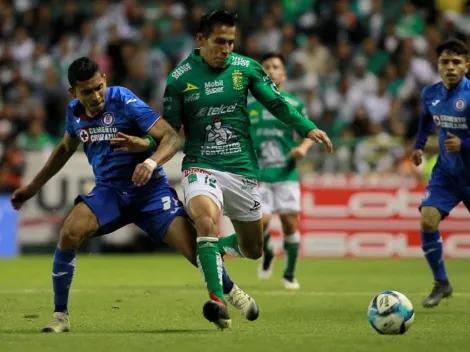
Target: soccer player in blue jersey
x=130 y=187
x=446 y=105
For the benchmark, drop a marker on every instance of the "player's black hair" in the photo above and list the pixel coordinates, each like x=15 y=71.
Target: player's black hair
x=214 y=18
x=454 y=45
x=268 y=56
x=82 y=69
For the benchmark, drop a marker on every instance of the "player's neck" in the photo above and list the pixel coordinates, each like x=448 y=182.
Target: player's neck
x=90 y=114
x=450 y=86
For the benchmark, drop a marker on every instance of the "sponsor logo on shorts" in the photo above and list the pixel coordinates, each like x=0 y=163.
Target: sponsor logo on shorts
x=256 y=206
x=249 y=183
x=195 y=170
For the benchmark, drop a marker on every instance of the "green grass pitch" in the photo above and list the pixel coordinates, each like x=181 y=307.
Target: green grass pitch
x=154 y=303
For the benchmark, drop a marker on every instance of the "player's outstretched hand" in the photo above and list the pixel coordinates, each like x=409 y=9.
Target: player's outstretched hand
x=126 y=143
x=319 y=136
x=21 y=195
x=452 y=143
x=417 y=157
x=297 y=153
x=142 y=174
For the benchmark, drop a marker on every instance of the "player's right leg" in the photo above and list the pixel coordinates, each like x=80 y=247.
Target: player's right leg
x=96 y=213
x=79 y=224
x=265 y=268
x=203 y=202
x=438 y=200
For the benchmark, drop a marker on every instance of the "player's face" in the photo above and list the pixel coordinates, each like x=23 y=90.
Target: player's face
x=452 y=67
x=91 y=93
x=217 y=47
x=275 y=69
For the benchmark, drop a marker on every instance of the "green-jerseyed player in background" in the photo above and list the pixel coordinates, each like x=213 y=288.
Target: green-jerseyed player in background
x=207 y=95
x=278 y=150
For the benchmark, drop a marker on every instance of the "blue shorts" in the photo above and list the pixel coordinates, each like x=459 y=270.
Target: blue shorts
x=444 y=193
x=152 y=210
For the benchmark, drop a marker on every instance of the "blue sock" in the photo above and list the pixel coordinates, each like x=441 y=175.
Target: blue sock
x=431 y=243
x=227 y=282
x=62 y=274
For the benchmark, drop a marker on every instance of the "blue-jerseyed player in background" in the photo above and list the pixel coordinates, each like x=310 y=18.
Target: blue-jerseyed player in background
x=130 y=187
x=446 y=105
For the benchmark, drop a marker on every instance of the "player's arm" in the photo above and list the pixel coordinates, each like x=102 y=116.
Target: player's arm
x=266 y=92
x=167 y=138
x=302 y=149
x=425 y=127
x=58 y=158
x=169 y=142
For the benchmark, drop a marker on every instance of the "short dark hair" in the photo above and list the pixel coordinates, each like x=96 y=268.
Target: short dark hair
x=82 y=69
x=454 y=45
x=268 y=56
x=216 y=17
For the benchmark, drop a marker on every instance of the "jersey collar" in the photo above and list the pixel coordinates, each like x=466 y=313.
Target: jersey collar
x=457 y=88
x=198 y=58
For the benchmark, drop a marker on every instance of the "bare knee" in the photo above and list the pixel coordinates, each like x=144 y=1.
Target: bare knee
x=430 y=219
x=206 y=226
x=80 y=224
x=71 y=238
x=289 y=223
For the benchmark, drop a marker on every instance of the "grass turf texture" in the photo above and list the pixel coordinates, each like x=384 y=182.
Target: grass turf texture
x=143 y=303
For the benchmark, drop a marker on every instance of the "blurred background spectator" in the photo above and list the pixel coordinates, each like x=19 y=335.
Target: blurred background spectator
x=359 y=65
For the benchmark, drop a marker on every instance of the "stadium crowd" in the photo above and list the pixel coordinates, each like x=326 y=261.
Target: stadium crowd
x=358 y=65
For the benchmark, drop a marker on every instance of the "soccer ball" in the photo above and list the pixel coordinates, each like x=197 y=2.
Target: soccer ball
x=390 y=313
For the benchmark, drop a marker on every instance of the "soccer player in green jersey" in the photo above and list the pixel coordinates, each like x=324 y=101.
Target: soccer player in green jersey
x=206 y=94
x=278 y=150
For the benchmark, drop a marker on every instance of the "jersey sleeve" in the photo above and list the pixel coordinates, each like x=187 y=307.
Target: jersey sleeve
x=172 y=108
x=69 y=122
x=425 y=124
x=266 y=92
x=140 y=112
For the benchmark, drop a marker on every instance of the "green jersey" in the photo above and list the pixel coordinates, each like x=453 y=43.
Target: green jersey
x=273 y=140
x=211 y=105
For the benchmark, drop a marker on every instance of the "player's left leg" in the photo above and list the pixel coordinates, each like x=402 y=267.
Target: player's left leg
x=287 y=204
x=440 y=197
x=181 y=235
x=242 y=205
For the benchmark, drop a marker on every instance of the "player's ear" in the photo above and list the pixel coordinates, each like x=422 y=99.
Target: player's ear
x=199 y=39
x=104 y=77
x=73 y=92
x=467 y=65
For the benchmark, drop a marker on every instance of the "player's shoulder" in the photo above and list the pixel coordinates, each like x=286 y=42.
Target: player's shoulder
x=292 y=99
x=118 y=94
x=430 y=91
x=74 y=108
x=181 y=69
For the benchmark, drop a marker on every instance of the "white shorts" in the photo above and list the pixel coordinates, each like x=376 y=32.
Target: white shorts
x=236 y=195
x=280 y=197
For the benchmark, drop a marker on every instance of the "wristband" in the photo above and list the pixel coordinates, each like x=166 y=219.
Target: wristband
x=151 y=163
x=153 y=144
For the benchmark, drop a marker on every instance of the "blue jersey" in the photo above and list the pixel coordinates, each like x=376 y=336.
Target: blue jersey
x=450 y=110
x=123 y=112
